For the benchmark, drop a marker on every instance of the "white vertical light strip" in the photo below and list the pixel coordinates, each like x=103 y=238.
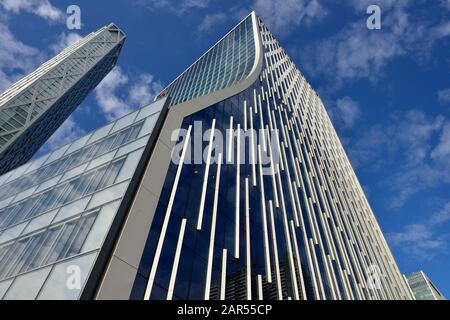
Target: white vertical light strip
x=275 y=251
x=213 y=229
x=162 y=234
x=321 y=295
x=230 y=141
x=205 y=177
x=288 y=241
x=223 y=276
x=252 y=148
x=176 y=260
x=245 y=115
x=247 y=240
x=261 y=124
x=255 y=102
x=260 y=287
x=272 y=168
x=299 y=263
x=238 y=196
x=264 y=219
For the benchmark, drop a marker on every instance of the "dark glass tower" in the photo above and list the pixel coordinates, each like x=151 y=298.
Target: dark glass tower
x=35 y=106
x=261 y=202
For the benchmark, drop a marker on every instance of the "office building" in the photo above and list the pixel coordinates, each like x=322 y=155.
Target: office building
x=34 y=107
x=422 y=287
x=240 y=189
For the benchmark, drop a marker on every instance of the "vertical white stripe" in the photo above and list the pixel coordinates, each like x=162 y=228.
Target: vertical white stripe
x=247 y=240
x=162 y=235
x=260 y=287
x=238 y=196
x=299 y=263
x=264 y=219
x=213 y=230
x=205 y=177
x=176 y=260
x=230 y=141
x=275 y=251
x=223 y=276
x=288 y=241
x=245 y=115
x=272 y=167
x=252 y=148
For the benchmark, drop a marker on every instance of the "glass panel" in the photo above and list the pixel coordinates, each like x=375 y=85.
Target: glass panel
x=4 y=287
x=56 y=288
x=124 y=122
x=107 y=195
x=27 y=286
x=129 y=166
x=101 y=226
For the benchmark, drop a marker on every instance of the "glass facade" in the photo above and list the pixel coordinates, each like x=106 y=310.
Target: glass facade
x=225 y=64
x=55 y=211
x=296 y=228
x=274 y=211
x=34 y=107
x=423 y=288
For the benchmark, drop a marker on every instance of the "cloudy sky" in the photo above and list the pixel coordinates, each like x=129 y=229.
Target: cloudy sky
x=388 y=90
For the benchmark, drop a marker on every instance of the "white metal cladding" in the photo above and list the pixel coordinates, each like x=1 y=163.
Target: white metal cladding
x=29 y=98
x=319 y=175
x=55 y=211
x=308 y=136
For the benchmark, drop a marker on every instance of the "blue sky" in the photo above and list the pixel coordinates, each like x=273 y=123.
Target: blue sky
x=388 y=90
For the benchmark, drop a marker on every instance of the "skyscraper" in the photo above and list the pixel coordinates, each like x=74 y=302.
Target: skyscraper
x=423 y=288
x=35 y=106
x=238 y=188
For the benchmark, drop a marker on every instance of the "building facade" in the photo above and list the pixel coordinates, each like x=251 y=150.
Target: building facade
x=242 y=191
x=35 y=106
x=273 y=212
x=56 y=212
x=422 y=287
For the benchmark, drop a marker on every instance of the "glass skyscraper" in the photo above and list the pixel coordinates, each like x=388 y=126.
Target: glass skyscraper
x=35 y=106
x=233 y=184
x=422 y=287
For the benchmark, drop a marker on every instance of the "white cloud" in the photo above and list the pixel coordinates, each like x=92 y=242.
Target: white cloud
x=356 y=53
x=409 y=139
x=67 y=132
x=418 y=241
x=281 y=16
x=211 y=20
x=144 y=90
x=16 y=58
x=107 y=95
x=346 y=112
x=65 y=39
x=116 y=97
x=444 y=96
x=423 y=240
x=442 y=30
x=442 y=151
x=42 y=8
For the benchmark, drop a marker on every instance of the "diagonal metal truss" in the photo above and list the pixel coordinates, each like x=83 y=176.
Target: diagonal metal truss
x=29 y=98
